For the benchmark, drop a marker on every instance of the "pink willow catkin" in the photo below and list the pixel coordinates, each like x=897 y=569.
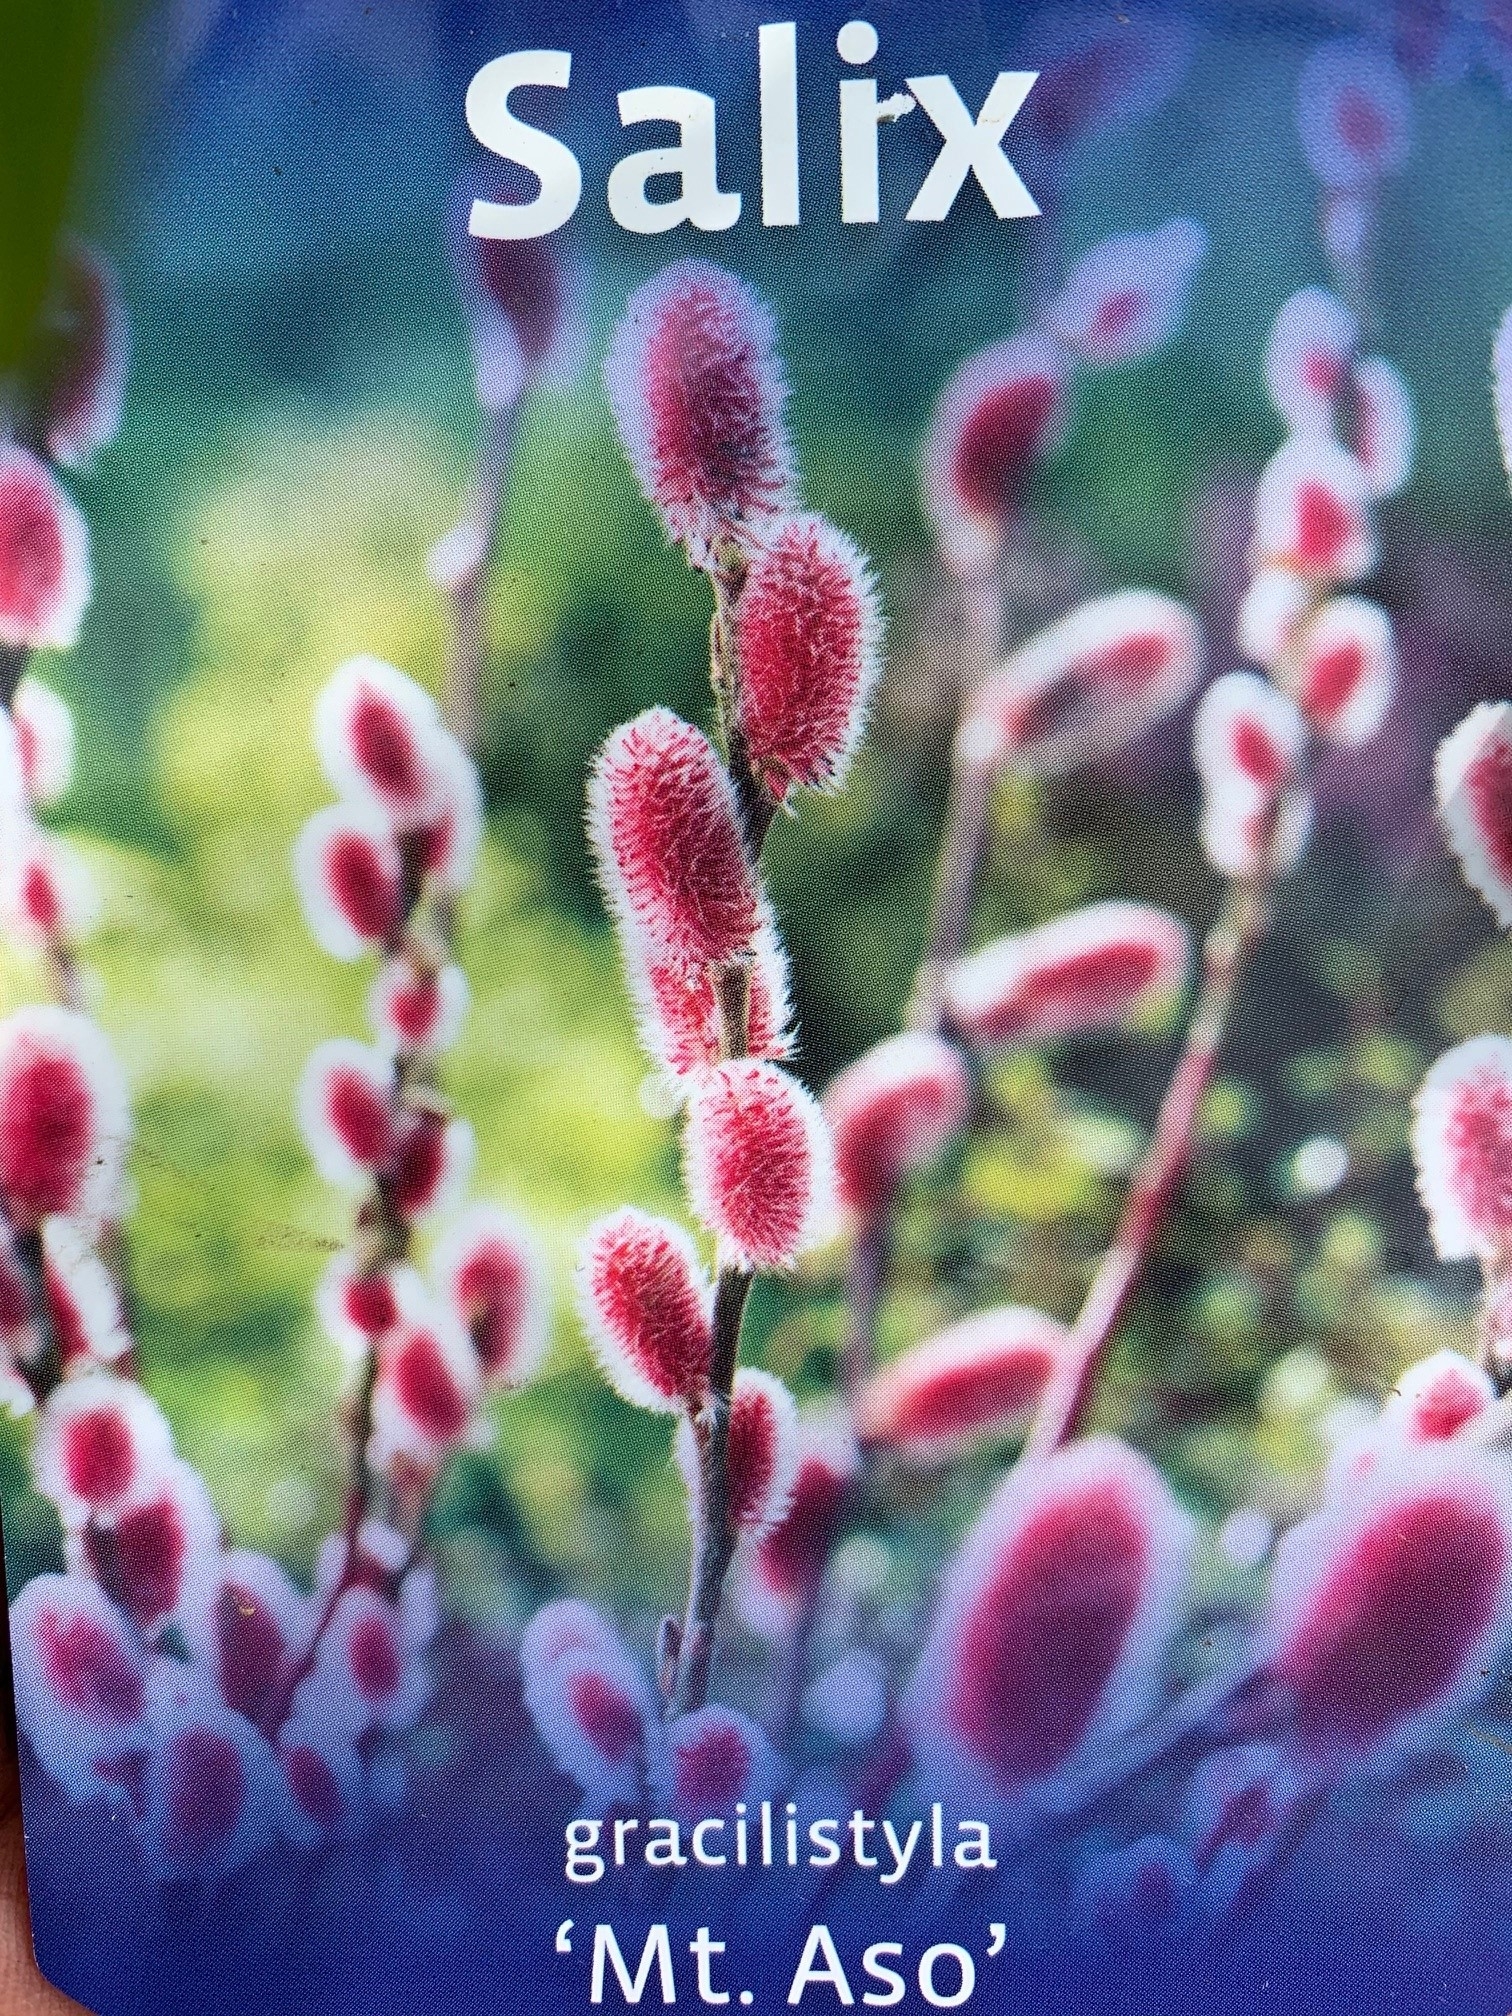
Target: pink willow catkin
x=677 y=829
x=47 y=899
x=1388 y=1608
x=1381 y=1609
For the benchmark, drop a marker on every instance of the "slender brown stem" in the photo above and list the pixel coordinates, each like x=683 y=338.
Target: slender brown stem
x=465 y=656
x=1492 y=1343
x=360 y=1477
x=865 y=1286
x=968 y=812
x=1213 y=1711
x=963 y=848
x=1352 y=276
x=382 y=1237
x=792 y=1671
x=1243 y=921
x=732 y=988
x=45 y=1368
x=359 y=1495
x=968 y=821
x=67 y=976
x=758 y=808
x=714 y=1541
x=13 y=663
x=668 y=1649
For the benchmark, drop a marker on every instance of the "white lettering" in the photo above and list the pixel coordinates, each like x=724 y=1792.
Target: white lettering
x=891 y=1980
x=703 y=1949
x=777 y=45
x=658 y=1947
x=972 y=147
x=902 y=1851
x=810 y=1974
x=554 y=165
x=860 y=116
x=965 y=1965
x=694 y=161
x=664 y=1845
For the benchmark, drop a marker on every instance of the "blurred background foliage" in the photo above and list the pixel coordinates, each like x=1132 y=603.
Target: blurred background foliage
x=273 y=182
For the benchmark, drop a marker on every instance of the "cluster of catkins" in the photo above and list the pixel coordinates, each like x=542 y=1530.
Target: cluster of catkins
x=1330 y=653
x=1100 y=75
x=46 y=900
x=1057 y=1614
x=595 y=1711
x=1077 y=690
x=215 y=1705
x=1385 y=1608
x=521 y=300
x=1354 y=120
x=378 y=873
x=676 y=829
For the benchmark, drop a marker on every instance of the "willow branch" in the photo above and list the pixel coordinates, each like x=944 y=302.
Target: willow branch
x=1162 y=1170
x=792 y=1673
x=714 y=1544
x=1211 y=1712
x=865 y=1286
x=463 y=704
x=689 y=1653
x=964 y=841
x=359 y=1493
x=381 y=1238
x=963 y=848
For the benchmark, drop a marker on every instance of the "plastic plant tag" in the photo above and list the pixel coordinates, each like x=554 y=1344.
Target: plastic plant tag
x=755 y=1048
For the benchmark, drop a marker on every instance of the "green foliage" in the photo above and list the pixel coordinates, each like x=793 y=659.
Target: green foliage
x=214 y=994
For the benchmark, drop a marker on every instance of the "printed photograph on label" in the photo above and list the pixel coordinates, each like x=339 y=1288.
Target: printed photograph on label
x=755 y=1013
